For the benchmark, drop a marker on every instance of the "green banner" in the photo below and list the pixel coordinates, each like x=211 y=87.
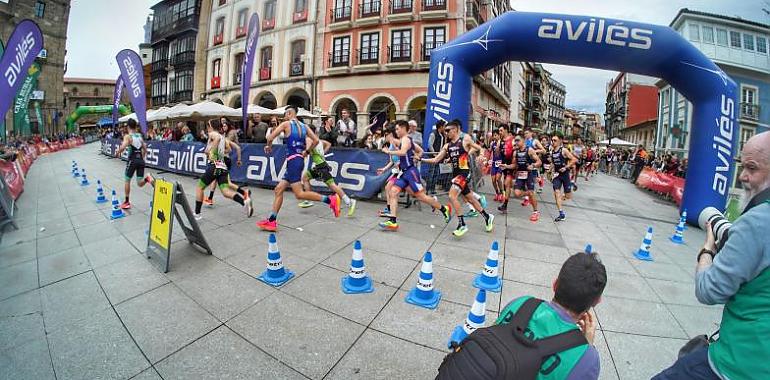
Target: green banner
x=21 y=103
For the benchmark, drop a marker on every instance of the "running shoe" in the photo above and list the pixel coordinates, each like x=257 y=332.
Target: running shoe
x=305 y=204
x=525 y=202
x=447 y=213
x=389 y=225
x=248 y=208
x=539 y=190
x=334 y=204
x=503 y=209
x=574 y=186
x=561 y=217
x=352 y=207
x=490 y=225
x=472 y=213
x=267 y=225
x=197 y=216
x=208 y=202
x=460 y=231
x=535 y=216
x=125 y=205
x=483 y=201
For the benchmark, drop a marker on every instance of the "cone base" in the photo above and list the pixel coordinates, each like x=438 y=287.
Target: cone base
x=117 y=216
x=479 y=283
x=84 y=184
x=458 y=335
x=275 y=281
x=76 y=175
x=677 y=240
x=430 y=303
x=101 y=200
x=643 y=256
x=347 y=288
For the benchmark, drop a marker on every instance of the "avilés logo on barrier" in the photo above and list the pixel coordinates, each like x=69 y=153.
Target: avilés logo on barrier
x=441 y=103
x=591 y=31
x=23 y=46
x=131 y=72
x=723 y=144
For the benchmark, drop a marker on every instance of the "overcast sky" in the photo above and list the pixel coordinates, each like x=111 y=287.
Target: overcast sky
x=98 y=29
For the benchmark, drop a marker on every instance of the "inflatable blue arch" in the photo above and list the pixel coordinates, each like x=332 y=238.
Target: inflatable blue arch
x=602 y=43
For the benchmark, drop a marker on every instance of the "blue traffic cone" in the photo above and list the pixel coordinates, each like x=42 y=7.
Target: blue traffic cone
x=357 y=281
x=116 y=211
x=684 y=218
x=74 y=167
x=423 y=294
x=84 y=180
x=275 y=274
x=644 y=250
x=589 y=248
x=100 y=198
x=76 y=173
x=678 y=238
x=475 y=319
x=489 y=279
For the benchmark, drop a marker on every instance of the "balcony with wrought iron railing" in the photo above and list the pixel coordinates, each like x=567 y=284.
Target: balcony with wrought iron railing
x=400 y=53
x=159 y=65
x=369 y=12
x=185 y=57
x=367 y=59
x=401 y=10
x=340 y=14
x=426 y=48
x=434 y=5
x=159 y=100
x=182 y=96
x=339 y=61
x=473 y=14
x=750 y=111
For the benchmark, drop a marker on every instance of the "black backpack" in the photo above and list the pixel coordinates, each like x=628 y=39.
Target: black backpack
x=506 y=351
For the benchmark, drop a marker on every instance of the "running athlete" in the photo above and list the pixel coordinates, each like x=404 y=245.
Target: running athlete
x=392 y=164
x=590 y=161
x=562 y=161
x=409 y=178
x=321 y=171
x=230 y=134
x=137 y=150
x=545 y=169
x=531 y=141
x=296 y=151
x=458 y=148
x=578 y=150
x=506 y=148
x=526 y=163
x=495 y=171
x=216 y=170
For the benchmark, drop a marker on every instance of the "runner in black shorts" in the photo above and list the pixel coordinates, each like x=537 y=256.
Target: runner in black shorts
x=526 y=163
x=137 y=150
x=562 y=161
x=217 y=170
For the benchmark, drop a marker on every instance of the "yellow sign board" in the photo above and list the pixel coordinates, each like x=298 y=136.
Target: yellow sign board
x=162 y=213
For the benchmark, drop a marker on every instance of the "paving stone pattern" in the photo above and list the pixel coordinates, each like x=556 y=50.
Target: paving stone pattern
x=78 y=299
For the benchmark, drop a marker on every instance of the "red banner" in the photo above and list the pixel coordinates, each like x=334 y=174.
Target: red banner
x=662 y=183
x=12 y=177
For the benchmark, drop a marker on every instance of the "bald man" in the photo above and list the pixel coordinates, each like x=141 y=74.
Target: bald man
x=737 y=276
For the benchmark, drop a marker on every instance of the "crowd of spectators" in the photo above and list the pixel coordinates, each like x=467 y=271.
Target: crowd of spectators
x=628 y=163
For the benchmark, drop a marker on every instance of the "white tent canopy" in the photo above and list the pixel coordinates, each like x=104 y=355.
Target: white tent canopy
x=301 y=112
x=255 y=109
x=151 y=114
x=209 y=109
x=616 y=142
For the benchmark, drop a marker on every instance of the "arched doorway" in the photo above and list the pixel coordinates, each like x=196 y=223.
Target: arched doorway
x=348 y=104
x=381 y=108
x=620 y=45
x=298 y=98
x=267 y=100
x=416 y=110
x=236 y=102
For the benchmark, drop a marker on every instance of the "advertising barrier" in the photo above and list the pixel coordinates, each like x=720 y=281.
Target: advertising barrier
x=662 y=183
x=353 y=169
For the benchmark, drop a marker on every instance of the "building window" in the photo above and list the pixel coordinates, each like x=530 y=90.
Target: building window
x=666 y=95
x=746 y=134
x=216 y=67
x=735 y=39
x=342 y=10
x=694 y=32
x=240 y=29
x=300 y=5
x=40 y=9
x=96 y=91
x=370 y=48
x=297 y=51
x=761 y=45
x=369 y=8
x=266 y=57
x=401 y=45
x=270 y=10
x=341 y=51
x=708 y=34
x=222 y=2
x=219 y=31
x=721 y=37
x=238 y=68
x=748 y=41
x=431 y=39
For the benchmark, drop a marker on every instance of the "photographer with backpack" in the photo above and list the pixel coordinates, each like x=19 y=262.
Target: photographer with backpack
x=535 y=339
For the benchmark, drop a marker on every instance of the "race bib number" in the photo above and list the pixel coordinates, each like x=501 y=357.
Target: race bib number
x=395 y=171
x=219 y=164
x=547 y=166
x=522 y=175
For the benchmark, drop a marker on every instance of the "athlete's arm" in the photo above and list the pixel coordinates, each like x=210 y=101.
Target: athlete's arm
x=534 y=156
x=384 y=168
x=539 y=148
x=439 y=157
x=144 y=150
x=123 y=145
x=313 y=141
x=234 y=145
x=326 y=145
x=571 y=159
x=418 y=151
x=405 y=145
x=273 y=134
x=469 y=144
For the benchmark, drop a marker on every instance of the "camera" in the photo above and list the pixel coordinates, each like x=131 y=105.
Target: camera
x=719 y=225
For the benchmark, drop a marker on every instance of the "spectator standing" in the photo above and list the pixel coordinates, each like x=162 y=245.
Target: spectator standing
x=738 y=276
x=347 y=129
x=187 y=136
x=640 y=160
x=259 y=130
x=414 y=133
x=274 y=124
x=436 y=140
x=329 y=131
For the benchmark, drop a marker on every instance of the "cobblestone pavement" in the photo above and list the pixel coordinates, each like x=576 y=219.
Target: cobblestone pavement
x=78 y=300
